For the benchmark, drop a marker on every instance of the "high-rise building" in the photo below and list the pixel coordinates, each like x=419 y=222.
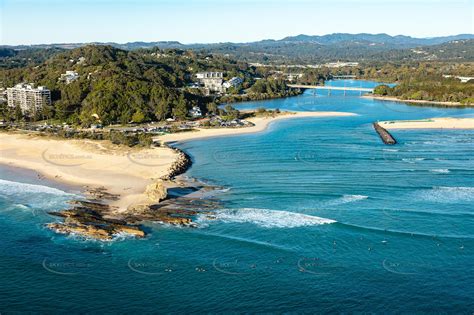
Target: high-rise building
x=29 y=98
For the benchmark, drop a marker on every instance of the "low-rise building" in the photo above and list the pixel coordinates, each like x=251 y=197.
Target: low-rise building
x=28 y=98
x=234 y=82
x=69 y=77
x=294 y=76
x=195 y=112
x=463 y=79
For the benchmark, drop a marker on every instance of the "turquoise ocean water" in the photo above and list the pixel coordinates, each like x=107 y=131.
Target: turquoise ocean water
x=318 y=216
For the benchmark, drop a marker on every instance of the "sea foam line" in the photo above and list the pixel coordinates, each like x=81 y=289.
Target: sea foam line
x=14 y=188
x=267 y=218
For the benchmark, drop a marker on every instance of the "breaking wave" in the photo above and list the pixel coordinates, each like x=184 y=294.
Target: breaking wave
x=413 y=160
x=9 y=188
x=448 y=194
x=440 y=171
x=267 y=218
x=346 y=199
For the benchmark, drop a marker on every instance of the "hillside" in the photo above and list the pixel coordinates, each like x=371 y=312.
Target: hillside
x=316 y=49
x=121 y=86
x=113 y=84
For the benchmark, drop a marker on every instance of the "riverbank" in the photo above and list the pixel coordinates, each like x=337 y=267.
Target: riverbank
x=419 y=102
x=259 y=124
x=433 y=123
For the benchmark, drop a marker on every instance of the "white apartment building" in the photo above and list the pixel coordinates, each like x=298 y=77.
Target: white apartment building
x=212 y=81
x=28 y=97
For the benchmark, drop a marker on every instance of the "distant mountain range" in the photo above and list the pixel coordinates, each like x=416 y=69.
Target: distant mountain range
x=384 y=39
x=307 y=48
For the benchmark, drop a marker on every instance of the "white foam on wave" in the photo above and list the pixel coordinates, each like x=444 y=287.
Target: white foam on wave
x=346 y=199
x=10 y=188
x=448 y=194
x=21 y=206
x=267 y=218
x=413 y=160
x=440 y=170
x=350 y=198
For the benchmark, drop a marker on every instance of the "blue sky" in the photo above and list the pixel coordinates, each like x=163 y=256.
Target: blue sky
x=204 y=21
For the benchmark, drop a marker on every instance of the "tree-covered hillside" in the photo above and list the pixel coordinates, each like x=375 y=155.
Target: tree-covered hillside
x=121 y=86
x=113 y=85
x=425 y=81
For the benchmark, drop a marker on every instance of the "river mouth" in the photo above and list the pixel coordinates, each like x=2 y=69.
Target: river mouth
x=318 y=208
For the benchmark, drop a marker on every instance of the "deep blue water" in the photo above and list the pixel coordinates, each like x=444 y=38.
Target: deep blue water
x=318 y=216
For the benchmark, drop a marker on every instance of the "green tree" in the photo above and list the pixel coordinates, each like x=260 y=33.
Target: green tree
x=138 y=117
x=180 y=110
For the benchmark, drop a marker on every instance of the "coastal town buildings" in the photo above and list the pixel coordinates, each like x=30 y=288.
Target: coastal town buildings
x=28 y=97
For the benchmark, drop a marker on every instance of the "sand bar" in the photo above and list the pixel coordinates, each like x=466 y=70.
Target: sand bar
x=431 y=123
x=421 y=102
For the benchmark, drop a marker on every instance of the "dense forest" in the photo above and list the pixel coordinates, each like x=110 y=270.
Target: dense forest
x=424 y=81
x=431 y=89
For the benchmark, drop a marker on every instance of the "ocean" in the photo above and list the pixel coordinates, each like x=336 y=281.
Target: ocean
x=318 y=216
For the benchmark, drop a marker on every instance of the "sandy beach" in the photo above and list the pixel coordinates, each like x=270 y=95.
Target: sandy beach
x=261 y=123
x=421 y=102
x=433 y=123
x=123 y=171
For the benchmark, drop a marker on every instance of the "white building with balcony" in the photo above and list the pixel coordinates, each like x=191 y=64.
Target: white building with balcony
x=28 y=98
x=212 y=81
x=69 y=76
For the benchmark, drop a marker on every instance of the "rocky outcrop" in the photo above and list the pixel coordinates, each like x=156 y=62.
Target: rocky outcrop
x=89 y=223
x=92 y=218
x=156 y=192
x=180 y=166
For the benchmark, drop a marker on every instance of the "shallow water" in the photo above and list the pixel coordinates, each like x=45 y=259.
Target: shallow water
x=319 y=216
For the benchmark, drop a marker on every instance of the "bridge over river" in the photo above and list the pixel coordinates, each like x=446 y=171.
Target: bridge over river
x=330 y=88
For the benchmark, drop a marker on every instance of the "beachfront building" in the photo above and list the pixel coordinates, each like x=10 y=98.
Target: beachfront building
x=234 y=82
x=212 y=81
x=28 y=98
x=69 y=76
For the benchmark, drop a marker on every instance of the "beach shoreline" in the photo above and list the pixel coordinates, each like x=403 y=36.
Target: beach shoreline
x=419 y=102
x=430 y=123
x=121 y=171
x=261 y=123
